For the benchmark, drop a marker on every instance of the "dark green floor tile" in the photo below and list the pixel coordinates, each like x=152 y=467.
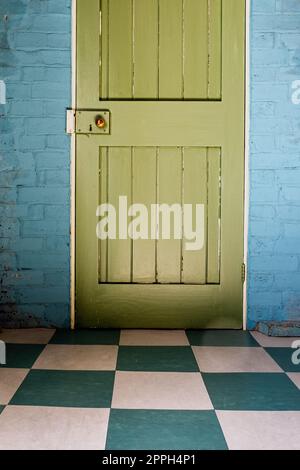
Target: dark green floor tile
x=66 y=388
x=283 y=357
x=22 y=355
x=252 y=391
x=86 y=337
x=157 y=359
x=220 y=338
x=1 y=408
x=163 y=429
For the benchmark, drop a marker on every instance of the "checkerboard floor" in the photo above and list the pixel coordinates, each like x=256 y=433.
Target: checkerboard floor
x=143 y=389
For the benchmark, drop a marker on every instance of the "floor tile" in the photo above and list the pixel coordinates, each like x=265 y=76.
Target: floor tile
x=27 y=335
x=220 y=338
x=295 y=377
x=66 y=388
x=77 y=357
x=251 y=391
x=273 y=341
x=43 y=428
x=22 y=355
x=161 y=430
x=283 y=357
x=157 y=359
x=86 y=337
x=1 y=408
x=153 y=338
x=10 y=380
x=234 y=359
x=160 y=390
x=264 y=430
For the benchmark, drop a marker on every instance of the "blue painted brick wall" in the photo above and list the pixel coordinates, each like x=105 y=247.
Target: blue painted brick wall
x=274 y=238
x=34 y=162
x=35 y=57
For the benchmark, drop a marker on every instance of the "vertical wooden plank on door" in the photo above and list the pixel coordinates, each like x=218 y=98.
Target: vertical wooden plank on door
x=119 y=184
x=169 y=192
x=195 y=52
x=170 y=49
x=87 y=70
x=102 y=244
x=214 y=216
x=120 y=49
x=194 y=192
x=215 y=45
x=104 y=57
x=144 y=192
x=145 y=49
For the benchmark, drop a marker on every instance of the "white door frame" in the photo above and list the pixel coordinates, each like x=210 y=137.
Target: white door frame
x=246 y=176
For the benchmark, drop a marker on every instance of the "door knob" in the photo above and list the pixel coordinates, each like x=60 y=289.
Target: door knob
x=100 y=122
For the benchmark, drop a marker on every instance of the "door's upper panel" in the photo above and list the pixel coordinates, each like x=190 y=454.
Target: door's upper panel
x=160 y=49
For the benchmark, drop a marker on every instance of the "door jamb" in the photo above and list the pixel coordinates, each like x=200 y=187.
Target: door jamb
x=246 y=157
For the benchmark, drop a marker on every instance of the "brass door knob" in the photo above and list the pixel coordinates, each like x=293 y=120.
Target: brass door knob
x=100 y=122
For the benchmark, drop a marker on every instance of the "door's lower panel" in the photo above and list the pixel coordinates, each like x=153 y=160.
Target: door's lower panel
x=150 y=306
x=154 y=179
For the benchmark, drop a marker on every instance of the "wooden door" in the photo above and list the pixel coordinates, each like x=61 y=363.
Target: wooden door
x=168 y=76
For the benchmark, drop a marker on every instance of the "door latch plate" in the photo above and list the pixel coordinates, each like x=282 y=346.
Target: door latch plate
x=87 y=122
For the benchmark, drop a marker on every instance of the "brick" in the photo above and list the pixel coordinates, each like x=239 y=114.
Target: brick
x=291 y=194
x=54 y=177
x=276 y=23
x=44 y=195
x=57 y=278
x=262 y=212
x=58 y=74
x=58 y=141
x=43 y=295
x=275 y=263
x=58 y=314
x=8 y=261
x=31 y=74
x=29 y=142
x=273 y=57
x=59 y=244
x=266 y=228
x=9 y=228
x=23 y=278
x=52 y=160
x=61 y=41
x=44 y=125
x=292 y=230
x=263 y=40
x=57 y=212
x=27 y=108
x=30 y=40
x=17 y=178
x=51 y=23
x=44 y=227
x=49 y=90
x=59 y=57
x=26 y=244
x=263 y=6
x=289 y=212
x=290 y=6
x=263 y=108
x=40 y=261
x=267 y=298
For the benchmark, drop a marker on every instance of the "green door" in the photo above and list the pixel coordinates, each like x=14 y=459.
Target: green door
x=167 y=77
